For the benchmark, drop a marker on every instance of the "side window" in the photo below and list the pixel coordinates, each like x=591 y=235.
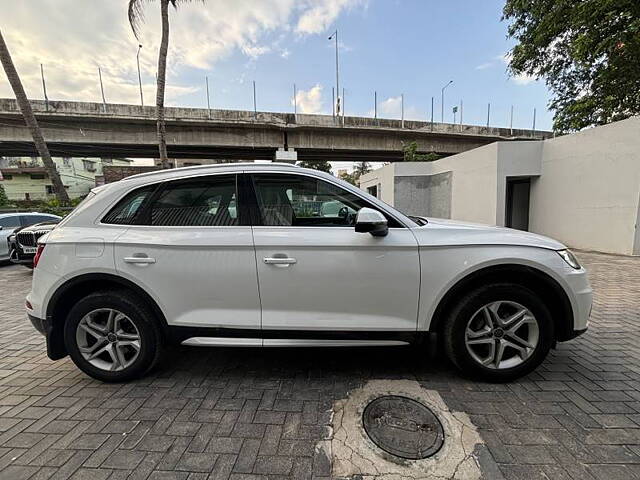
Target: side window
x=296 y=200
x=10 y=222
x=126 y=209
x=211 y=201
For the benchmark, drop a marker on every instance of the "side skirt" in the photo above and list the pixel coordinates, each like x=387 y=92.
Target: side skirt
x=290 y=338
x=286 y=342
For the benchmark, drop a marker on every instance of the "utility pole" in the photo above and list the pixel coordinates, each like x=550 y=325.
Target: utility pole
x=255 y=108
x=44 y=88
x=511 y=122
x=139 y=76
x=208 y=102
x=442 y=99
x=375 y=104
x=333 y=101
x=432 y=114
x=342 y=106
x=104 y=102
x=338 y=106
x=295 y=100
x=534 y=120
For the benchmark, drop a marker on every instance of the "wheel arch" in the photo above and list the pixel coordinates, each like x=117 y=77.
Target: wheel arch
x=78 y=287
x=540 y=282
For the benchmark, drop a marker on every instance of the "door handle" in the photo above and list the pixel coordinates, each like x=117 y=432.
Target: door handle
x=140 y=260
x=279 y=260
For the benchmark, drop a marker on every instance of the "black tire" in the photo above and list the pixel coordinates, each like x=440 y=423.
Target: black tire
x=151 y=340
x=458 y=318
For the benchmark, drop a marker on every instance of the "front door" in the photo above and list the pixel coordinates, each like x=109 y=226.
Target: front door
x=192 y=250
x=316 y=273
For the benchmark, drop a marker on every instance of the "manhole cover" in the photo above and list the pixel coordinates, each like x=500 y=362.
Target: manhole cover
x=403 y=427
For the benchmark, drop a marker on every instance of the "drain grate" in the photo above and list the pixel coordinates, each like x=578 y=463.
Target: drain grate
x=403 y=427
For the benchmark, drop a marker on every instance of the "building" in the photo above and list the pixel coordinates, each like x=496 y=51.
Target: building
x=582 y=189
x=25 y=178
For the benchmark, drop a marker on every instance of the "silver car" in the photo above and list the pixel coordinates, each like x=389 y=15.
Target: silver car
x=11 y=221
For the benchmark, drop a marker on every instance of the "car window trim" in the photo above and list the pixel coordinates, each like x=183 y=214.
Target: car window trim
x=143 y=216
x=258 y=216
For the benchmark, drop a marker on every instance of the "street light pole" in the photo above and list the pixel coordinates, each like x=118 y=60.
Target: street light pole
x=139 y=76
x=442 y=99
x=335 y=35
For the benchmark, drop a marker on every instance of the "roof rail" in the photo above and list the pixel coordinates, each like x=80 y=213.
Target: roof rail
x=212 y=165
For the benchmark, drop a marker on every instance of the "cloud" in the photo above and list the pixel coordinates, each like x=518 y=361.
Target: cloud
x=392 y=108
x=520 y=78
x=322 y=14
x=309 y=101
x=73 y=38
x=505 y=59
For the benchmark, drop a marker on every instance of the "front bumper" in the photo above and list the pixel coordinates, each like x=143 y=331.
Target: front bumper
x=17 y=255
x=55 y=342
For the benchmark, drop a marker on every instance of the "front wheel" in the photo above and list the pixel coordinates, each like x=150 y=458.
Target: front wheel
x=112 y=336
x=499 y=332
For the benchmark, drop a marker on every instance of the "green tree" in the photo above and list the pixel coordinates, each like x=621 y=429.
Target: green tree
x=4 y=200
x=587 y=51
x=136 y=16
x=411 y=154
x=31 y=122
x=321 y=165
x=352 y=178
x=361 y=168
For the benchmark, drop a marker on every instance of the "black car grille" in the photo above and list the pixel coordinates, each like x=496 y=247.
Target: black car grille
x=29 y=239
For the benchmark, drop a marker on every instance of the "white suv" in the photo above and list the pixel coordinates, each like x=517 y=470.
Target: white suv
x=242 y=255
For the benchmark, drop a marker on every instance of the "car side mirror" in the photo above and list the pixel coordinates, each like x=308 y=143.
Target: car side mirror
x=371 y=221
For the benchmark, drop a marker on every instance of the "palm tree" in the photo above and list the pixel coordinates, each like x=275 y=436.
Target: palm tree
x=136 y=17
x=32 y=123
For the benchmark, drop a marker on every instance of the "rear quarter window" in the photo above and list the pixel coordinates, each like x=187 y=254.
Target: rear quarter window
x=126 y=210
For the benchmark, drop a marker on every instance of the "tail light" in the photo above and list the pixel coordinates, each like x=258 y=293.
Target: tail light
x=36 y=259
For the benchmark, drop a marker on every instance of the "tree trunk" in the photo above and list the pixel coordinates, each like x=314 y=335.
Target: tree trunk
x=162 y=72
x=32 y=123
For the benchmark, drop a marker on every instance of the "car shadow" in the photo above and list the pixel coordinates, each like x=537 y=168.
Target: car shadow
x=351 y=364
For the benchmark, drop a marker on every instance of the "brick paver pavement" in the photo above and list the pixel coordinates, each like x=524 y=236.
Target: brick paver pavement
x=250 y=413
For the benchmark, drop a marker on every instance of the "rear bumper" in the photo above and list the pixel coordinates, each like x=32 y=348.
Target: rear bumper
x=39 y=324
x=55 y=342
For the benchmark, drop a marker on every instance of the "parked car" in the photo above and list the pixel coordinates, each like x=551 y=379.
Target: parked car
x=23 y=242
x=9 y=222
x=147 y=261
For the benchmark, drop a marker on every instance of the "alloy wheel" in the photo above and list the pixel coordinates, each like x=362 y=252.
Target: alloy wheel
x=108 y=339
x=502 y=334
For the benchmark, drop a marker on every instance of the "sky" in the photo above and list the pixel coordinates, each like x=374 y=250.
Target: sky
x=395 y=47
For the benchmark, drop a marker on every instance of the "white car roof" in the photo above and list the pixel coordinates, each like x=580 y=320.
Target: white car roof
x=231 y=167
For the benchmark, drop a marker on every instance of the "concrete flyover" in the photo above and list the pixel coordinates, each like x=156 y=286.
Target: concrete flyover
x=113 y=130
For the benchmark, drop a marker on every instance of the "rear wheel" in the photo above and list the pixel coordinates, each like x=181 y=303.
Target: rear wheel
x=112 y=336
x=499 y=332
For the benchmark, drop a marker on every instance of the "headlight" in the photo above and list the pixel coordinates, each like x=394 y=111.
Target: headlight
x=570 y=258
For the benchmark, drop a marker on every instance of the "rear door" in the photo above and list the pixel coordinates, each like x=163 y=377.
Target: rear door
x=191 y=248
x=316 y=273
